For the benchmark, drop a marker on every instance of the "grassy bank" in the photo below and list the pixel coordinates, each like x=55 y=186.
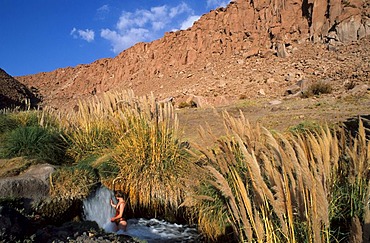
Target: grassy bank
x=251 y=185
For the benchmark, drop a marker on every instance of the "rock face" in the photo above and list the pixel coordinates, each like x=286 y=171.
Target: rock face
x=177 y=64
x=13 y=93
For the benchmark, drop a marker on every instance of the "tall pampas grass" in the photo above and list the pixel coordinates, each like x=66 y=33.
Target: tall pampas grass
x=96 y=124
x=151 y=159
x=276 y=187
x=138 y=136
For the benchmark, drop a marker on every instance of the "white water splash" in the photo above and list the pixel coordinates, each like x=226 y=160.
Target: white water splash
x=153 y=230
x=97 y=208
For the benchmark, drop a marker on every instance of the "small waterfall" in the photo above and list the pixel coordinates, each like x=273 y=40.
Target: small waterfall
x=97 y=208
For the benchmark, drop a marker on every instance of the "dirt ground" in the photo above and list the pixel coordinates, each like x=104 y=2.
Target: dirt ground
x=281 y=117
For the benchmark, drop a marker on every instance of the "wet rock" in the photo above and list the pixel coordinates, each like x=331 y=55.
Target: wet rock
x=13 y=225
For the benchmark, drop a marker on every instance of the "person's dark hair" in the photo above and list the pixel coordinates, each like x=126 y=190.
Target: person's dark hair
x=119 y=194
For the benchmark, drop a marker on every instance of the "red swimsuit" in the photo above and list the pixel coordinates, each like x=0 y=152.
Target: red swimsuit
x=117 y=213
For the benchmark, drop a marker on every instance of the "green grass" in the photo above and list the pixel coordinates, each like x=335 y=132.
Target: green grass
x=7 y=123
x=34 y=142
x=304 y=126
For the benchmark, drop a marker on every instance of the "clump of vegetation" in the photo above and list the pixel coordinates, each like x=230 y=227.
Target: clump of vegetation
x=93 y=128
x=184 y=104
x=7 y=123
x=152 y=163
x=305 y=126
x=73 y=182
x=283 y=188
x=243 y=97
x=318 y=88
x=31 y=134
x=34 y=142
x=134 y=138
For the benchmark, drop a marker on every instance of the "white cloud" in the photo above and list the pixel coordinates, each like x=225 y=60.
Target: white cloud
x=87 y=35
x=189 y=22
x=104 y=9
x=120 y=41
x=147 y=25
x=102 y=12
x=217 y=3
x=179 y=9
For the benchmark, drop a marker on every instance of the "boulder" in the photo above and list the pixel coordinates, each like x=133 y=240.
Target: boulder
x=32 y=185
x=207 y=102
x=348 y=29
x=281 y=50
x=359 y=90
x=298 y=88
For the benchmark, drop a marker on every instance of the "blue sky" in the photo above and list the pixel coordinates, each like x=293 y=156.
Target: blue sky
x=43 y=35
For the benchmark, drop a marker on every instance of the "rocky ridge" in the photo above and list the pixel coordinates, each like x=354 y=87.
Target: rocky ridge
x=13 y=93
x=250 y=48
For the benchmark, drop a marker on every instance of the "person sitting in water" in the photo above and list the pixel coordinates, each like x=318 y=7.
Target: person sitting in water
x=120 y=207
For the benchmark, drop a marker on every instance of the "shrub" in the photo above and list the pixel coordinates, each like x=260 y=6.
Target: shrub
x=95 y=127
x=243 y=97
x=184 y=104
x=150 y=159
x=305 y=126
x=7 y=123
x=104 y=166
x=34 y=142
x=140 y=135
x=108 y=170
x=27 y=118
x=318 y=88
x=74 y=182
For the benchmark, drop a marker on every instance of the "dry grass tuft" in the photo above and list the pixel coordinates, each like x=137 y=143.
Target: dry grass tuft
x=280 y=188
x=150 y=157
x=72 y=182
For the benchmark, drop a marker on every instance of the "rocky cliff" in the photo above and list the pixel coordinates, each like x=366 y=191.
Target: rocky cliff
x=14 y=94
x=223 y=49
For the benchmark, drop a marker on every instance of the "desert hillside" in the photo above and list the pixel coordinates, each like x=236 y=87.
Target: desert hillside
x=14 y=94
x=248 y=49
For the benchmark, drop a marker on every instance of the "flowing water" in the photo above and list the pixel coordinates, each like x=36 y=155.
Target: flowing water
x=97 y=208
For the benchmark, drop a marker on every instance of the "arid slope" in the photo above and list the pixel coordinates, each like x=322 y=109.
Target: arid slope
x=230 y=52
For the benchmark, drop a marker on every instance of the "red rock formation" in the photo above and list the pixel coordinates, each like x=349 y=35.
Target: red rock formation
x=176 y=63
